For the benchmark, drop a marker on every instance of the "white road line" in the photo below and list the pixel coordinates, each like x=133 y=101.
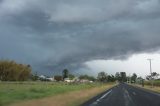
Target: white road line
x=94 y=103
x=134 y=93
x=127 y=97
x=106 y=94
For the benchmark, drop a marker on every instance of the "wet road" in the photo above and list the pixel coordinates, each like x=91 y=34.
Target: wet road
x=125 y=95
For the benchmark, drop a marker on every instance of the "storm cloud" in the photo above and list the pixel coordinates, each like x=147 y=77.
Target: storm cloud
x=55 y=34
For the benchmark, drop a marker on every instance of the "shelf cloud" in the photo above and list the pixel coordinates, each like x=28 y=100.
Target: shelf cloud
x=55 y=34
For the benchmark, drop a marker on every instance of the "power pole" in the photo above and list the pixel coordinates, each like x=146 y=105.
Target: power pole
x=150 y=63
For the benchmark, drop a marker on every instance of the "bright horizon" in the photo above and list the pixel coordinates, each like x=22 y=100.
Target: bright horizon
x=137 y=63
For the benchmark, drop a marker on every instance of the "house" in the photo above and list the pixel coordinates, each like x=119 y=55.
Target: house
x=50 y=79
x=68 y=80
x=44 y=78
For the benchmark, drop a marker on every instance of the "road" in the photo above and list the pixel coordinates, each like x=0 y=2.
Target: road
x=125 y=95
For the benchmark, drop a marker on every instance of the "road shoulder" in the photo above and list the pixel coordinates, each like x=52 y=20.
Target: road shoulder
x=98 y=97
x=155 y=90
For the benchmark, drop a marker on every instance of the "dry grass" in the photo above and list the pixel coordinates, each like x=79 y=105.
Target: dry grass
x=74 y=98
x=155 y=88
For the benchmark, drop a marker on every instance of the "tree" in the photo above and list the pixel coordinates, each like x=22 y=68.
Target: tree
x=102 y=77
x=117 y=76
x=140 y=80
x=34 y=77
x=123 y=77
x=134 y=77
x=83 y=77
x=90 y=78
x=155 y=75
x=65 y=74
x=12 y=71
x=58 y=78
x=111 y=78
x=71 y=76
x=148 y=77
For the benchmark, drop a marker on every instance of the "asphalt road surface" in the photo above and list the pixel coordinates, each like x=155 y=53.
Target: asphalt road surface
x=125 y=95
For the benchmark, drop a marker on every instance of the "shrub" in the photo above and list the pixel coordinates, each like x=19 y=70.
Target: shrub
x=11 y=71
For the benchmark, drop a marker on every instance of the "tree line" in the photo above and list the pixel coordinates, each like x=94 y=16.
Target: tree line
x=101 y=77
x=11 y=71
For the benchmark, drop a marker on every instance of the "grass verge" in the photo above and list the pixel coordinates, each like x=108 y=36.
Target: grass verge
x=86 y=95
x=11 y=93
x=148 y=87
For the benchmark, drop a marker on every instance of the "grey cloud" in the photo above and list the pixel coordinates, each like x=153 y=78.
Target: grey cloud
x=52 y=35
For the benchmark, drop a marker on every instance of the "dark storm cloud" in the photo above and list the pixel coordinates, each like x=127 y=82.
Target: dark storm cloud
x=57 y=34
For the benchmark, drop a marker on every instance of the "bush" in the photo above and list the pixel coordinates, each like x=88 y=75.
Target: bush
x=11 y=71
x=58 y=78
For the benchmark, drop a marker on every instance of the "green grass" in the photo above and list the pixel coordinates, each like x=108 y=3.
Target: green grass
x=11 y=92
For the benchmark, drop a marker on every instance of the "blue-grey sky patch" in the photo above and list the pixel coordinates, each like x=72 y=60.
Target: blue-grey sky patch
x=58 y=34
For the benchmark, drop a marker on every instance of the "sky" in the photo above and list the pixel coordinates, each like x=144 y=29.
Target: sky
x=137 y=63
x=84 y=36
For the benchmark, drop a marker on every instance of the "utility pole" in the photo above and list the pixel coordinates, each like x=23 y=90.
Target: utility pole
x=150 y=63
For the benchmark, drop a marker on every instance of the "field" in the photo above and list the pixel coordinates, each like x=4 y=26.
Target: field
x=11 y=93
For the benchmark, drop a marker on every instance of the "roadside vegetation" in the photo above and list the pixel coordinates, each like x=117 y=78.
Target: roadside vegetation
x=18 y=83
x=12 y=92
x=152 y=82
x=149 y=87
x=155 y=83
x=11 y=71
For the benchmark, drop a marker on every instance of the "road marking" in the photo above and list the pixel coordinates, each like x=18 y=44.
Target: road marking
x=128 y=99
x=106 y=94
x=102 y=97
x=134 y=93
